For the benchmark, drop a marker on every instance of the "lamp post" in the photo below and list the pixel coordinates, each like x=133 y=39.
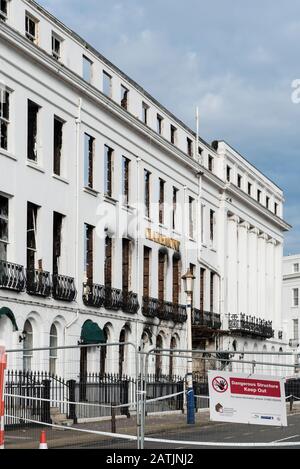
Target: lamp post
x=188 y=280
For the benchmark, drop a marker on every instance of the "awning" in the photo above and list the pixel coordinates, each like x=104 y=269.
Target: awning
x=92 y=334
x=7 y=312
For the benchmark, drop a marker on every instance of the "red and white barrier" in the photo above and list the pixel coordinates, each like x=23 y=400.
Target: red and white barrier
x=43 y=441
x=2 y=387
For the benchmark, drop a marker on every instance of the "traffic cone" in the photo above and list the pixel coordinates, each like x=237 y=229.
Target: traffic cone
x=43 y=441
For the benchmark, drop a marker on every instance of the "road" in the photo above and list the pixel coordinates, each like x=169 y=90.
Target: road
x=225 y=433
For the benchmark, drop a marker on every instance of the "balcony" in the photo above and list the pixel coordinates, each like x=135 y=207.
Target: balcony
x=206 y=319
x=113 y=298
x=164 y=310
x=38 y=283
x=130 y=302
x=93 y=295
x=12 y=276
x=249 y=325
x=63 y=288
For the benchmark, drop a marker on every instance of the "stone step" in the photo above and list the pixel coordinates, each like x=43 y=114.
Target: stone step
x=57 y=418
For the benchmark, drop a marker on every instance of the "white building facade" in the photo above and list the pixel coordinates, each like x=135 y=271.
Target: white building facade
x=107 y=199
x=290 y=299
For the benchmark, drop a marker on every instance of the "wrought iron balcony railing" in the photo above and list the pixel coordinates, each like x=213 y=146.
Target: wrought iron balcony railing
x=130 y=302
x=250 y=325
x=206 y=319
x=165 y=310
x=63 y=288
x=38 y=282
x=12 y=276
x=113 y=298
x=93 y=295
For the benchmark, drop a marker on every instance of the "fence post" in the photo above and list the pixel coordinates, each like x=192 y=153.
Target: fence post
x=113 y=418
x=46 y=403
x=72 y=398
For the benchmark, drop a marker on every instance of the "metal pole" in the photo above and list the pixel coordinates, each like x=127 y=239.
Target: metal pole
x=190 y=389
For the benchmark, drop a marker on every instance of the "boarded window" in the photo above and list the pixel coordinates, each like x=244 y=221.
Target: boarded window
x=176 y=279
x=146 y=276
x=161 y=275
x=32 y=131
x=89 y=253
x=89 y=144
x=161 y=201
x=4 y=118
x=108 y=262
x=32 y=211
x=3 y=227
x=108 y=170
x=126 y=265
x=57 y=230
x=202 y=288
x=57 y=145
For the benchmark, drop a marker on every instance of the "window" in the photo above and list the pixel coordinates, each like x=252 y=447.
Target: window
x=189 y=144
x=249 y=188
x=212 y=225
x=173 y=134
x=296 y=329
x=146 y=276
x=27 y=346
x=108 y=170
x=202 y=288
x=161 y=201
x=32 y=211
x=296 y=268
x=145 y=113
x=191 y=217
x=57 y=145
x=210 y=163
x=276 y=208
x=212 y=280
x=147 y=176
x=125 y=179
x=161 y=275
x=158 y=357
x=295 y=296
x=89 y=253
x=32 y=131
x=258 y=195
x=108 y=262
x=124 y=97
x=3 y=228
x=159 y=123
x=89 y=148
x=174 y=213
x=31 y=28
x=202 y=223
x=87 y=69
x=125 y=265
x=107 y=84
x=267 y=202
x=176 y=279
x=239 y=181
x=57 y=230
x=3 y=10
x=4 y=118
x=53 y=353
x=56 y=46
x=228 y=173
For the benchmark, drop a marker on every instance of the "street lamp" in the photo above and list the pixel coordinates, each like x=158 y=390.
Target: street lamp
x=188 y=281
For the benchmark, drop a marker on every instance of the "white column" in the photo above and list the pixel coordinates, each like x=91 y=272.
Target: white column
x=242 y=267
x=253 y=273
x=232 y=254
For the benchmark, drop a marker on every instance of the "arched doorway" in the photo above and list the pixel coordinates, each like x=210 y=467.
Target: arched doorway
x=173 y=346
x=158 y=357
x=27 y=346
x=53 y=342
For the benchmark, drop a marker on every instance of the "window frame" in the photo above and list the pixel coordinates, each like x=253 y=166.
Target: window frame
x=32 y=38
x=107 y=79
x=4 y=13
x=296 y=297
x=108 y=170
x=124 y=97
x=86 y=60
x=56 y=37
x=5 y=103
x=4 y=219
x=89 y=158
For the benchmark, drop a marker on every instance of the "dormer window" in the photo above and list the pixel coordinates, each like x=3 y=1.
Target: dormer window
x=3 y=10
x=31 y=28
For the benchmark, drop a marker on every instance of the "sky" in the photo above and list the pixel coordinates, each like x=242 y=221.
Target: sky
x=236 y=60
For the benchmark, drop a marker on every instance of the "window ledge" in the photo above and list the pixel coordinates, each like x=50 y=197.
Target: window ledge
x=110 y=199
x=128 y=208
x=7 y=154
x=148 y=219
x=192 y=240
x=91 y=191
x=60 y=178
x=35 y=166
x=175 y=232
x=163 y=226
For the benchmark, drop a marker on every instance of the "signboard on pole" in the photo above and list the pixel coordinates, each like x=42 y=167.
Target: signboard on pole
x=244 y=398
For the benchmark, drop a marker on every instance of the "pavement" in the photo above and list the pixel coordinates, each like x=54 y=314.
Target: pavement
x=166 y=426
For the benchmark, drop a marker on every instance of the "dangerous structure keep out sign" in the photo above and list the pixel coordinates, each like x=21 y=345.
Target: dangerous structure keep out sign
x=244 y=398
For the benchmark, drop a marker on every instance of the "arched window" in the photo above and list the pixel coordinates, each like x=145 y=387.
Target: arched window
x=158 y=359
x=53 y=353
x=103 y=352
x=27 y=346
x=172 y=347
x=122 y=351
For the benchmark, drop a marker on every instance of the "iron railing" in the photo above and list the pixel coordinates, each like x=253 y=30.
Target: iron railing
x=12 y=276
x=93 y=295
x=63 y=288
x=246 y=325
x=130 y=302
x=164 y=310
x=206 y=319
x=38 y=283
x=113 y=298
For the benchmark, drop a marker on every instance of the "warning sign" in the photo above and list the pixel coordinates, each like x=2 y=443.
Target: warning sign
x=240 y=398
